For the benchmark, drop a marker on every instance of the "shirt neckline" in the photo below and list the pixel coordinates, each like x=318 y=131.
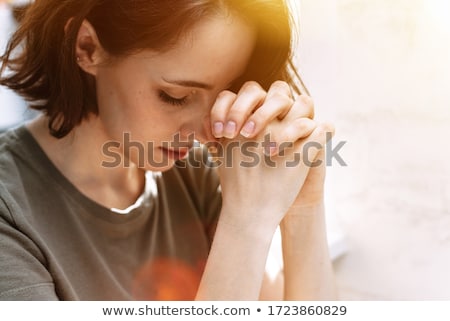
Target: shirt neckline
x=48 y=171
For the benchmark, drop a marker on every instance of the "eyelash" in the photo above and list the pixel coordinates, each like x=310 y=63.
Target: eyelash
x=171 y=100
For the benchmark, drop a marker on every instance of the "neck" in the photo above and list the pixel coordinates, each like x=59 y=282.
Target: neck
x=78 y=156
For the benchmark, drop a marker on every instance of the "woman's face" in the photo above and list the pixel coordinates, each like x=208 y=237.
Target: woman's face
x=155 y=96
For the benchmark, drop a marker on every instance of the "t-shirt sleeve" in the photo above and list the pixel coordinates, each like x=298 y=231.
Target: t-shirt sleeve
x=23 y=275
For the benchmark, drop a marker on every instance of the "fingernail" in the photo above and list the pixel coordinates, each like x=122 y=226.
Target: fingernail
x=248 y=129
x=230 y=129
x=218 y=129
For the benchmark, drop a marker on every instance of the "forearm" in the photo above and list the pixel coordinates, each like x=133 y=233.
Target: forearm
x=236 y=262
x=308 y=272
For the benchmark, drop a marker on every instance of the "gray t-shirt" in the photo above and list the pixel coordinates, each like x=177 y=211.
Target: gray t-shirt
x=57 y=244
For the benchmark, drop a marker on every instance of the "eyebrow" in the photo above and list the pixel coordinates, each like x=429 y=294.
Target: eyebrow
x=189 y=83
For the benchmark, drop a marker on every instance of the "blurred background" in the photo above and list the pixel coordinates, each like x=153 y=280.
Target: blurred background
x=13 y=109
x=380 y=71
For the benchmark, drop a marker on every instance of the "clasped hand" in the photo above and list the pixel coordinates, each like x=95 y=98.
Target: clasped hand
x=282 y=132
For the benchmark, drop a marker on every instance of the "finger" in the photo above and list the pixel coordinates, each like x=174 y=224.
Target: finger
x=286 y=137
x=303 y=107
x=295 y=125
x=283 y=89
x=219 y=112
x=277 y=104
x=314 y=143
x=250 y=97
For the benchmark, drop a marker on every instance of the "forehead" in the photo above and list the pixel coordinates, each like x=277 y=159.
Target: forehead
x=215 y=51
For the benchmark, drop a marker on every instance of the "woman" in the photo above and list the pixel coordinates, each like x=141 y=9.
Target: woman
x=104 y=198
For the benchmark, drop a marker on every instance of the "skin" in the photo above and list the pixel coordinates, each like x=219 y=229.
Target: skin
x=130 y=100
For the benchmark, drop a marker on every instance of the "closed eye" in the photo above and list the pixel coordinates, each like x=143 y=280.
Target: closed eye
x=172 y=100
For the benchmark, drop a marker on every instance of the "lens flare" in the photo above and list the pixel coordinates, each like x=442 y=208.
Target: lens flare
x=167 y=279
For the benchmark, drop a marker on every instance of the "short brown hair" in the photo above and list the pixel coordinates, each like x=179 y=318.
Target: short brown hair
x=44 y=70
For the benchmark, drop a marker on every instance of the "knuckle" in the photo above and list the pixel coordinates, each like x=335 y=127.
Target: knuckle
x=302 y=126
x=281 y=91
x=252 y=87
x=225 y=95
x=307 y=104
x=281 y=85
x=281 y=98
x=299 y=129
x=322 y=132
x=288 y=103
x=281 y=88
x=306 y=100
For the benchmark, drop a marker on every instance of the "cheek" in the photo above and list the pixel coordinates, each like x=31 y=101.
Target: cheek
x=134 y=107
x=124 y=107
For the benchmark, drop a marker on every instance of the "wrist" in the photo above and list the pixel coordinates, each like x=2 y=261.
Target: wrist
x=307 y=208
x=255 y=223
x=302 y=218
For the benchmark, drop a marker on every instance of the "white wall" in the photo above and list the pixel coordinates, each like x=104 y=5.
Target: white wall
x=380 y=70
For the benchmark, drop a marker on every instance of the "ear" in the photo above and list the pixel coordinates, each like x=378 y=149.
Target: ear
x=88 y=49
